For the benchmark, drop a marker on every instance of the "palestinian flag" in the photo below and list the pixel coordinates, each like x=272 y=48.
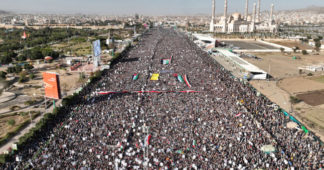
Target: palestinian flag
x=135 y=76
x=179 y=77
x=187 y=82
x=147 y=140
x=166 y=61
x=171 y=59
x=194 y=143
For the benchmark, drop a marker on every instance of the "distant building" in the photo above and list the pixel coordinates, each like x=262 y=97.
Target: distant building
x=238 y=23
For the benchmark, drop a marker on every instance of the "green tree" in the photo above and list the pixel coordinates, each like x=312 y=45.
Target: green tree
x=18 y=69
x=11 y=54
x=36 y=55
x=296 y=49
x=50 y=52
x=318 y=45
x=10 y=69
x=31 y=76
x=22 y=77
x=5 y=59
x=11 y=122
x=304 y=52
x=28 y=67
x=3 y=75
x=21 y=58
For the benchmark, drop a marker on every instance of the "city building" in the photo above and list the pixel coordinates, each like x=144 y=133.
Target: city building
x=238 y=23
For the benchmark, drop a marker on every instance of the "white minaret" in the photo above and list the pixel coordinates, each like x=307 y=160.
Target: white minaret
x=225 y=9
x=246 y=9
x=212 y=22
x=225 y=17
x=271 y=14
x=254 y=15
x=258 y=16
x=252 y=27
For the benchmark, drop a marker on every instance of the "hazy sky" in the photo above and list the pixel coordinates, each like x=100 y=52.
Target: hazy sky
x=145 y=7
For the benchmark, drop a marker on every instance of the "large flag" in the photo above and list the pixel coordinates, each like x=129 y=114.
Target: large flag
x=135 y=76
x=165 y=61
x=147 y=140
x=186 y=80
x=179 y=77
x=194 y=143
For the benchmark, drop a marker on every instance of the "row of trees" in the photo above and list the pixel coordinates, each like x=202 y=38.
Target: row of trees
x=21 y=70
x=7 y=57
x=13 y=41
x=32 y=54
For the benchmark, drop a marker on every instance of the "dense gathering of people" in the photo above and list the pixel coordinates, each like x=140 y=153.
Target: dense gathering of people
x=224 y=125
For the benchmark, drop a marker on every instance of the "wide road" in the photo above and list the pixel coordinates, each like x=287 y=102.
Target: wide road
x=222 y=125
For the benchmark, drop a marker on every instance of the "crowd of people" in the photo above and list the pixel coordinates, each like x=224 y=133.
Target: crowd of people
x=224 y=125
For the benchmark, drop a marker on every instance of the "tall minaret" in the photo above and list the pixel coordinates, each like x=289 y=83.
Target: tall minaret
x=258 y=16
x=271 y=14
x=225 y=17
x=212 y=22
x=246 y=9
x=225 y=9
x=254 y=17
x=252 y=28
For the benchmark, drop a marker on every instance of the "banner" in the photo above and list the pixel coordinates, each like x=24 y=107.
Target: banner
x=52 y=85
x=96 y=53
x=155 y=77
x=96 y=48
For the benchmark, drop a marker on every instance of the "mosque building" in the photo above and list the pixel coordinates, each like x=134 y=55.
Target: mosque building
x=237 y=23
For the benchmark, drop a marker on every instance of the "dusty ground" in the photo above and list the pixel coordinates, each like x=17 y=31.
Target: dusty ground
x=318 y=78
x=5 y=127
x=273 y=92
x=74 y=48
x=68 y=81
x=33 y=90
x=314 y=98
x=292 y=43
x=282 y=66
x=288 y=83
x=298 y=85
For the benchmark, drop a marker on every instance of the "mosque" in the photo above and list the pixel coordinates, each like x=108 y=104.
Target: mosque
x=248 y=23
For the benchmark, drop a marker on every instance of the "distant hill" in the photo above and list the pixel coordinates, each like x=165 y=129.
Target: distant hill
x=311 y=9
x=4 y=12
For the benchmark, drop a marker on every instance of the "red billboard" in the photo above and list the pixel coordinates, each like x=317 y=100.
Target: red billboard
x=52 y=85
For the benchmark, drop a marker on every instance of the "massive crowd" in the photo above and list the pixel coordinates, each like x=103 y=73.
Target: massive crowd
x=223 y=126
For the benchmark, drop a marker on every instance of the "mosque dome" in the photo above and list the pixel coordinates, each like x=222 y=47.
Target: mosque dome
x=249 y=18
x=236 y=16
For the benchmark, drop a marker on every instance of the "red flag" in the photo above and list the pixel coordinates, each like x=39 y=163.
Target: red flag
x=24 y=35
x=148 y=138
x=239 y=114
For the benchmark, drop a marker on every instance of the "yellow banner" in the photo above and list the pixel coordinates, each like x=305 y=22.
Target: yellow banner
x=155 y=77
